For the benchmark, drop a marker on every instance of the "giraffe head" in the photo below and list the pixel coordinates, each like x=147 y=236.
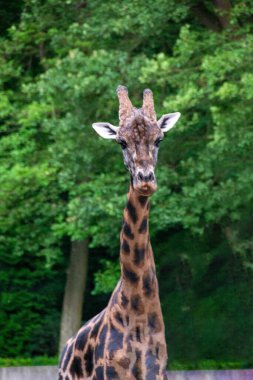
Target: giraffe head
x=139 y=133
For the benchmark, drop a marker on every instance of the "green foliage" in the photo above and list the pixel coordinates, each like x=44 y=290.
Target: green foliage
x=60 y=64
x=105 y=280
x=29 y=313
x=209 y=365
x=38 y=360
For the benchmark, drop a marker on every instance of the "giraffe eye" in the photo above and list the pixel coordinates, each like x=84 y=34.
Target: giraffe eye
x=157 y=142
x=123 y=144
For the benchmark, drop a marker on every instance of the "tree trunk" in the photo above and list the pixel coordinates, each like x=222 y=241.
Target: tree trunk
x=208 y=19
x=224 y=9
x=74 y=291
x=214 y=21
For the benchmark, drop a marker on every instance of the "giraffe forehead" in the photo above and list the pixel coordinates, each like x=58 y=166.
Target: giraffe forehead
x=139 y=129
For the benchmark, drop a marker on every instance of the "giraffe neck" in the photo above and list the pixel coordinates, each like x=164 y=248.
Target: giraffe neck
x=136 y=255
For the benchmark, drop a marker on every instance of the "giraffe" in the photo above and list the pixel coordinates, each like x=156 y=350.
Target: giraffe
x=126 y=341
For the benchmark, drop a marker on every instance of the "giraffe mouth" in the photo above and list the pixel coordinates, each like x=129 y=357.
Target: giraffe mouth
x=146 y=188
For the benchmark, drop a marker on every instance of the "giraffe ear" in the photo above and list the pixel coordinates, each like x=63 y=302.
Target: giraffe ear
x=166 y=122
x=106 y=130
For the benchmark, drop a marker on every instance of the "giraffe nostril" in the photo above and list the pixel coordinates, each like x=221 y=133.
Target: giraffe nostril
x=140 y=176
x=151 y=176
x=145 y=178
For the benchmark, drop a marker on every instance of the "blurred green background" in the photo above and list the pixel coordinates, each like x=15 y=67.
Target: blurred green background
x=61 y=61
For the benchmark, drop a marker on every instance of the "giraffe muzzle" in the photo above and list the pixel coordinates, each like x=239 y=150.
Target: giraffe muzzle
x=145 y=182
x=146 y=178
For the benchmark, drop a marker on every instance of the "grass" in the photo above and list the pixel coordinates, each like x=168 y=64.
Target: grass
x=174 y=366
x=39 y=360
x=209 y=365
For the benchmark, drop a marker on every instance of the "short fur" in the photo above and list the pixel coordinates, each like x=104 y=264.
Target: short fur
x=126 y=341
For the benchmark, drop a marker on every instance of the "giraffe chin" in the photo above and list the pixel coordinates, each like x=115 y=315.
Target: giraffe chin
x=146 y=189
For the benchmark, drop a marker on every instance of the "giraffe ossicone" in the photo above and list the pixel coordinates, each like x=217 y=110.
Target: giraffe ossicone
x=126 y=341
